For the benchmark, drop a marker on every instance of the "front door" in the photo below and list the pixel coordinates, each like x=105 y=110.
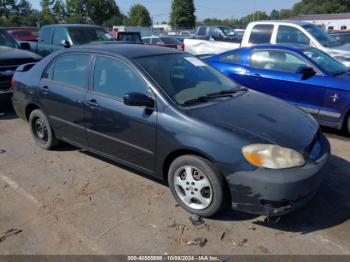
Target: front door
x=123 y=132
x=62 y=91
x=274 y=72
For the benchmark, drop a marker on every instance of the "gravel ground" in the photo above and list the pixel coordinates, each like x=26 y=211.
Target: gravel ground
x=69 y=201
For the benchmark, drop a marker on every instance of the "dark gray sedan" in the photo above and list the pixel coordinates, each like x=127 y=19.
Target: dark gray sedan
x=168 y=114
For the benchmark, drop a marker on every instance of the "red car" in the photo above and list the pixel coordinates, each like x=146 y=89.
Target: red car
x=23 y=35
x=164 y=41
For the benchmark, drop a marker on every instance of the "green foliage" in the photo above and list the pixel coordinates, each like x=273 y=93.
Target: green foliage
x=46 y=17
x=139 y=16
x=182 y=14
x=59 y=11
x=304 y=7
x=321 y=7
x=238 y=22
x=100 y=11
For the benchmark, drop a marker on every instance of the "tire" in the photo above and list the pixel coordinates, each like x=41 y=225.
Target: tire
x=203 y=196
x=41 y=130
x=348 y=125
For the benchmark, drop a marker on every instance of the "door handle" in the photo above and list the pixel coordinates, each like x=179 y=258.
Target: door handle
x=92 y=103
x=45 y=89
x=255 y=76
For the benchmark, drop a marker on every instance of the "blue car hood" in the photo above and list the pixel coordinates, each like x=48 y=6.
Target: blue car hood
x=263 y=116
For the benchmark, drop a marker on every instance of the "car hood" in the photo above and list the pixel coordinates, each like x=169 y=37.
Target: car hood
x=14 y=56
x=263 y=116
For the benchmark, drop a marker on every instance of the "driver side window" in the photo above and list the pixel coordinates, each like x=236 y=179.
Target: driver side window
x=291 y=35
x=276 y=60
x=59 y=35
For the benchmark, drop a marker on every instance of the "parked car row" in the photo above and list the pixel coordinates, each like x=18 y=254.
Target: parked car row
x=12 y=55
x=198 y=124
x=276 y=32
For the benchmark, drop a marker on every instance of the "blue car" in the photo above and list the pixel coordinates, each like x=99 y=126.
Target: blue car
x=301 y=75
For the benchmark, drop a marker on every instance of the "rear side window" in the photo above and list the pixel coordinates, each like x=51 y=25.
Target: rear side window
x=202 y=31
x=115 y=78
x=48 y=74
x=72 y=70
x=277 y=60
x=261 y=34
x=45 y=35
x=234 y=57
x=288 y=34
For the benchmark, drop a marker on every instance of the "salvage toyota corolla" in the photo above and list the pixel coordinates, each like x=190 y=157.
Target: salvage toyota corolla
x=168 y=114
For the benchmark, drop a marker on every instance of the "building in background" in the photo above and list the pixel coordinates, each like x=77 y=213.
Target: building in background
x=330 y=22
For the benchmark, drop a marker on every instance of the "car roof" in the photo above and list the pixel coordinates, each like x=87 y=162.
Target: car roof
x=292 y=47
x=301 y=23
x=127 y=50
x=73 y=25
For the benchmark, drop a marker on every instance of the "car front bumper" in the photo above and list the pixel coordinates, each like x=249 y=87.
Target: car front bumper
x=277 y=192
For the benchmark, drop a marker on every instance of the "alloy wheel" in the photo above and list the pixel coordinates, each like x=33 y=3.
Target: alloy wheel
x=193 y=187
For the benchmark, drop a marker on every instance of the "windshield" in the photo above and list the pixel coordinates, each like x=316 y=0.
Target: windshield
x=129 y=37
x=86 y=35
x=326 y=62
x=7 y=40
x=227 y=30
x=322 y=36
x=184 y=77
x=170 y=41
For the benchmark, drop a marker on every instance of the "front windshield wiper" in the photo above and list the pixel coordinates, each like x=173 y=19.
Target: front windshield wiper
x=226 y=92
x=223 y=93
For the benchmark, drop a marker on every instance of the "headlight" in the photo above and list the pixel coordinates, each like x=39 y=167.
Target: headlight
x=272 y=156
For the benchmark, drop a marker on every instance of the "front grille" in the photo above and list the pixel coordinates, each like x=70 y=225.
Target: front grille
x=4 y=85
x=10 y=67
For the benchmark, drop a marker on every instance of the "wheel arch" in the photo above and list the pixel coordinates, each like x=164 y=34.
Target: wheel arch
x=177 y=153
x=346 y=119
x=29 y=109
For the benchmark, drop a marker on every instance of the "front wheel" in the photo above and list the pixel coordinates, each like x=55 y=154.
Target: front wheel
x=41 y=130
x=196 y=185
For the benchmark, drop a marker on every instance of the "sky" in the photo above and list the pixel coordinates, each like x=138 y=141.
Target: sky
x=160 y=9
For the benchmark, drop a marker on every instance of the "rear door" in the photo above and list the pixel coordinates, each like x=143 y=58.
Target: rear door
x=125 y=133
x=63 y=89
x=261 y=34
x=274 y=72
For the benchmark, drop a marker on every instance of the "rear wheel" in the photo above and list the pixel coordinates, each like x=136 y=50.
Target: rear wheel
x=196 y=185
x=41 y=130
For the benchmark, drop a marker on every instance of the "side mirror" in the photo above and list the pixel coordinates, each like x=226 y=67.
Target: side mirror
x=138 y=99
x=24 y=46
x=65 y=43
x=306 y=71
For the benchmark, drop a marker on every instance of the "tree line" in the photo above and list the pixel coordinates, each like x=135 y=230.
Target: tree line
x=99 y=12
x=107 y=13
x=304 y=7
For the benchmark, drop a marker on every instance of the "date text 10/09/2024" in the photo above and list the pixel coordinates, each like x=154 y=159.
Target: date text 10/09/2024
x=173 y=258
